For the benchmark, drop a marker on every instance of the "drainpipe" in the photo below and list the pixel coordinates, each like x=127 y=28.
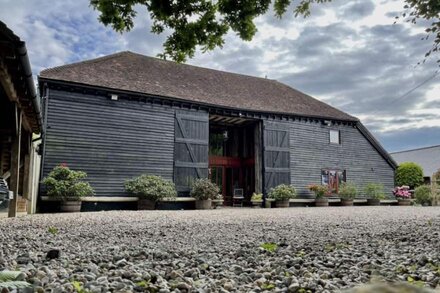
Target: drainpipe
x=24 y=60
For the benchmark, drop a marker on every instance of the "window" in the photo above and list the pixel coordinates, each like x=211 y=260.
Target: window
x=334 y=137
x=333 y=179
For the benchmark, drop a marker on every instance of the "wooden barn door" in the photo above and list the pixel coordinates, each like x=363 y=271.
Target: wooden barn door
x=276 y=167
x=191 y=138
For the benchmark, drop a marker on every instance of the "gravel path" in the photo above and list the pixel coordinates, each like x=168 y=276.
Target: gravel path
x=317 y=249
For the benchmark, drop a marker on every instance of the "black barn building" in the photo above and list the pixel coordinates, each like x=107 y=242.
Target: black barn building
x=125 y=114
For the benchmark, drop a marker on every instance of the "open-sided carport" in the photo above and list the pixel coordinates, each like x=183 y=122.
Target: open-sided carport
x=20 y=117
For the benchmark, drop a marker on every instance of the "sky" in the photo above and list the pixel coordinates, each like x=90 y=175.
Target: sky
x=349 y=54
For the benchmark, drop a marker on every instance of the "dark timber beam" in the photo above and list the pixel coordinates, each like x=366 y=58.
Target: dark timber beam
x=14 y=181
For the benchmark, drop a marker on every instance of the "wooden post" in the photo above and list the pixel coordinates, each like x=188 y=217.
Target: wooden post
x=27 y=167
x=14 y=181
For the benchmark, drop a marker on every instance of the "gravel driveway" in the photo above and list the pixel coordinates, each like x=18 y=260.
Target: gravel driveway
x=317 y=249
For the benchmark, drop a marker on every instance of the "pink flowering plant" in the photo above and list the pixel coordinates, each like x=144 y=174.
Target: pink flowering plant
x=402 y=192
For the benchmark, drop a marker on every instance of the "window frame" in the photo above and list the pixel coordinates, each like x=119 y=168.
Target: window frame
x=339 y=173
x=330 y=136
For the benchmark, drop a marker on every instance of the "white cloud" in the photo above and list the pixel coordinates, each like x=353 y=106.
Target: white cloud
x=348 y=53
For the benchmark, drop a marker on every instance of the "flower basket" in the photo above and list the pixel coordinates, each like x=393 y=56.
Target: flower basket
x=320 y=192
x=403 y=195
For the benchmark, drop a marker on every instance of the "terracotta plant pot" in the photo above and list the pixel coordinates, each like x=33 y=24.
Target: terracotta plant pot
x=346 y=202
x=282 y=203
x=373 y=202
x=321 y=202
x=146 y=204
x=404 y=201
x=204 y=204
x=70 y=206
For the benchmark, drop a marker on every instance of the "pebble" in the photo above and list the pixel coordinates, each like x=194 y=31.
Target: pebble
x=321 y=250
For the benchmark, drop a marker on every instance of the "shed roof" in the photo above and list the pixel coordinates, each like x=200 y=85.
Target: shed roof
x=147 y=75
x=16 y=73
x=428 y=158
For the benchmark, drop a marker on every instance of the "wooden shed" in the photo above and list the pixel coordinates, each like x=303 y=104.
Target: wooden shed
x=121 y=115
x=20 y=117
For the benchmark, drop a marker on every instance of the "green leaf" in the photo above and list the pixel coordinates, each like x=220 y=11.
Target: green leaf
x=10 y=276
x=15 y=285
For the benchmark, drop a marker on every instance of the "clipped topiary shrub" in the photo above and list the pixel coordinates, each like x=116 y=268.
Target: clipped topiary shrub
x=423 y=195
x=67 y=184
x=410 y=174
x=204 y=189
x=150 y=187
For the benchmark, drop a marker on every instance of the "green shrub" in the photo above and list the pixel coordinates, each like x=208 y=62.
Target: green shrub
x=150 y=187
x=409 y=174
x=435 y=188
x=67 y=184
x=257 y=197
x=282 y=192
x=423 y=194
x=375 y=191
x=203 y=189
x=347 y=190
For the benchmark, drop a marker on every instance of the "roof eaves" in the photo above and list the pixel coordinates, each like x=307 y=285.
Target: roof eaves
x=109 y=89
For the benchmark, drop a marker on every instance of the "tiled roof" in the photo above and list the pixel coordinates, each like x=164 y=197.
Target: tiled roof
x=138 y=73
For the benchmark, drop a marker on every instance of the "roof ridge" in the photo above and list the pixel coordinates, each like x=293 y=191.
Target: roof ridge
x=94 y=60
x=200 y=67
x=417 y=149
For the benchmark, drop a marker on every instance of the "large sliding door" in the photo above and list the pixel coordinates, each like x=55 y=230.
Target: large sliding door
x=190 y=149
x=276 y=152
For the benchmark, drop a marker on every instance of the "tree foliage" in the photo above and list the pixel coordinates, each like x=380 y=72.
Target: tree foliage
x=203 y=23
x=410 y=174
x=427 y=10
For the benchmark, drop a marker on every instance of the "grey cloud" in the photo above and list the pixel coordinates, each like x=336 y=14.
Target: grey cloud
x=355 y=10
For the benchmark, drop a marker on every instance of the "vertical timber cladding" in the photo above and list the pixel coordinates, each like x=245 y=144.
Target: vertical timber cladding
x=276 y=148
x=191 y=139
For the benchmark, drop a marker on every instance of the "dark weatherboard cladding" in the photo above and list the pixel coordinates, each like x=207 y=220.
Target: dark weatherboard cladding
x=110 y=140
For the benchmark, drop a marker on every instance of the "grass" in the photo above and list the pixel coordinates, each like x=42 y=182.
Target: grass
x=52 y=230
x=269 y=246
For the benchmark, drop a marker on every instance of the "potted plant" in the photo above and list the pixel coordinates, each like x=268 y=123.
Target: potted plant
x=257 y=200
x=320 y=192
x=403 y=195
x=282 y=194
x=375 y=193
x=423 y=195
x=68 y=186
x=203 y=190
x=347 y=192
x=150 y=189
